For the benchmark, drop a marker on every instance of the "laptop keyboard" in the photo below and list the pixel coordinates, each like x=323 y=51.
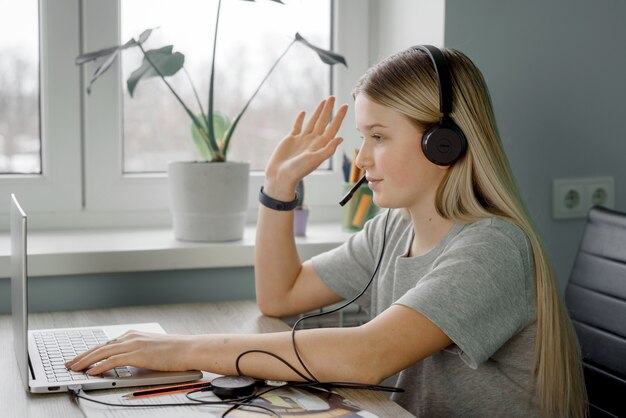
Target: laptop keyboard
x=57 y=347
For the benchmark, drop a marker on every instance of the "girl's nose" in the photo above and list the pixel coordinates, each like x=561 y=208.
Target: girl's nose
x=363 y=158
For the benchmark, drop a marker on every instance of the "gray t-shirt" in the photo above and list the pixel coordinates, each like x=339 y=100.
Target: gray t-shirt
x=477 y=285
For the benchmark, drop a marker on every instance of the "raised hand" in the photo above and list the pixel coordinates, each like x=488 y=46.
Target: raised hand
x=304 y=149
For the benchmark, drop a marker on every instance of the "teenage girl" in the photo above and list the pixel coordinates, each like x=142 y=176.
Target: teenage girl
x=466 y=316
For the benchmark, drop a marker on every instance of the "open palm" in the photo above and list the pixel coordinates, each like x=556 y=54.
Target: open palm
x=306 y=147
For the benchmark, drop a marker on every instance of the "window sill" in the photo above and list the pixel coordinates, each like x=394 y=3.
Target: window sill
x=53 y=253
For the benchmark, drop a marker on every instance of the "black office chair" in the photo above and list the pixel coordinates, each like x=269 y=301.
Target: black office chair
x=596 y=300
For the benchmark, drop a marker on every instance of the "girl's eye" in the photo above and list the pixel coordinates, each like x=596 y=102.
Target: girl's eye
x=375 y=138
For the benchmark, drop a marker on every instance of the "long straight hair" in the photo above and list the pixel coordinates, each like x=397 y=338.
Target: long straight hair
x=481 y=185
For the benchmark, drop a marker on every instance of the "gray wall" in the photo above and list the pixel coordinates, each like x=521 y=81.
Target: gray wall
x=92 y=291
x=556 y=73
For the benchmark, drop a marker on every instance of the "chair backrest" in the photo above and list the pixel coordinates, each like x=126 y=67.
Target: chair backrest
x=596 y=300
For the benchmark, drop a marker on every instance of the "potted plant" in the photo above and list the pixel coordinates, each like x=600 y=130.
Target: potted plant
x=208 y=198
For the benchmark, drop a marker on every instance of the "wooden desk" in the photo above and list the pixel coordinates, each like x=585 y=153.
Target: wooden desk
x=223 y=317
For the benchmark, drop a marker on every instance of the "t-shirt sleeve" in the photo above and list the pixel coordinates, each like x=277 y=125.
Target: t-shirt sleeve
x=347 y=269
x=477 y=292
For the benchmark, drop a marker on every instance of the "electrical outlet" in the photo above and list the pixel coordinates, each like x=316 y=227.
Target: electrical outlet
x=568 y=199
x=601 y=192
x=572 y=198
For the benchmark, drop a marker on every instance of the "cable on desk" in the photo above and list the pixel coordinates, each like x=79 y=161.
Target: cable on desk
x=76 y=392
x=311 y=380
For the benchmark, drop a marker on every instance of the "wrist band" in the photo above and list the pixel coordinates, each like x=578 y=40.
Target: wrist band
x=277 y=204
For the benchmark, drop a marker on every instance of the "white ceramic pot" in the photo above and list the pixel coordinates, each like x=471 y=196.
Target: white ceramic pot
x=208 y=200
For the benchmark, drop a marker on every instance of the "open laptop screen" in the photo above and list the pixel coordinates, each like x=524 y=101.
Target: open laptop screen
x=19 y=309
x=39 y=377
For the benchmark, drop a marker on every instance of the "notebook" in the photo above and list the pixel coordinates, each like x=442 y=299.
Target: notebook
x=41 y=354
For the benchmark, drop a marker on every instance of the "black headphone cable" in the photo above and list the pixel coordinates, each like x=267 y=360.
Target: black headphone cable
x=311 y=380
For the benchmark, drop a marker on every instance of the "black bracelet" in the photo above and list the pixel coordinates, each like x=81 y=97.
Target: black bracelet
x=277 y=204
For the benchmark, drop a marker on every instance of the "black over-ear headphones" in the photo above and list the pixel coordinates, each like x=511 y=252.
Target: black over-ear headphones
x=444 y=143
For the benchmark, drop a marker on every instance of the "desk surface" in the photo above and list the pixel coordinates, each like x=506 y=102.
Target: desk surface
x=223 y=317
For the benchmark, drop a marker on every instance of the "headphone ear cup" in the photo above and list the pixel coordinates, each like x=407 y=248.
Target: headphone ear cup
x=444 y=144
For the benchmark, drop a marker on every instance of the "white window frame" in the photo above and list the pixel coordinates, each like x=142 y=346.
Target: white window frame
x=109 y=190
x=81 y=184
x=59 y=186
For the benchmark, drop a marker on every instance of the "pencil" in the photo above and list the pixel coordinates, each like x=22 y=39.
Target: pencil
x=167 y=390
x=362 y=209
x=354 y=172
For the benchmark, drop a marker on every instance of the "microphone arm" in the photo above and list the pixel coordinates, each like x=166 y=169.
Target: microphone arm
x=354 y=188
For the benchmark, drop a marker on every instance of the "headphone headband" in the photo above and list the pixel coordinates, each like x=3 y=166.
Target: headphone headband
x=443 y=76
x=443 y=143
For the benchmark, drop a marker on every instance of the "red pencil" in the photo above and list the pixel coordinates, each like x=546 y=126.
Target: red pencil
x=166 y=390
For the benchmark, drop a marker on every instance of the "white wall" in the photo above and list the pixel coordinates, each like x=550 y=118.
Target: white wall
x=398 y=24
x=556 y=71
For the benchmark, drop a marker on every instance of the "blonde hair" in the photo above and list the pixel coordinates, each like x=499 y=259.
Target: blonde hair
x=480 y=185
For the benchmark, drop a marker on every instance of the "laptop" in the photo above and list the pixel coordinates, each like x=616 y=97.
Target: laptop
x=41 y=354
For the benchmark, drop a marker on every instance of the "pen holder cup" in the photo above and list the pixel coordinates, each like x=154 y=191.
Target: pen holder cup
x=359 y=209
x=300 y=218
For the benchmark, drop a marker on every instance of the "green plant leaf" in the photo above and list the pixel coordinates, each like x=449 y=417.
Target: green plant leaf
x=198 y=139
x=110 y=54
x=221 y=123
x=167 y=62
x=105 y=52
x=106 y=64
x=328 y=57
x=143 y=37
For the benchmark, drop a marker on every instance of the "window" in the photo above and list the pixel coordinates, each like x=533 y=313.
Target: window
x=20 y=144
x=156 y=129
x=44 y=166
x=95 y=171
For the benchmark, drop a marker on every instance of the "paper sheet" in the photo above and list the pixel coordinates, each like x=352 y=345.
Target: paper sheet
x=283 y=401
x=187 y=408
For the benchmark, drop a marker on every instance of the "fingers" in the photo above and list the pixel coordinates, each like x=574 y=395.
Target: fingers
x=314 y=117
x=329 y=149
x=97 y=354
x=335 y=124
x=319 y=130
x=322 y=120
x=110 y=363
x=319 y=121
x=297 y=126
x=308 y=145
x=329 y=130
x=81 y=356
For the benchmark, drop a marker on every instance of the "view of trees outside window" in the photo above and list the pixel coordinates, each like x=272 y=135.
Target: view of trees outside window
x=251 y=37
x=20 y=143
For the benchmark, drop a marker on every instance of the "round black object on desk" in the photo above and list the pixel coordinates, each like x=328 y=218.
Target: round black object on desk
x=229 y=387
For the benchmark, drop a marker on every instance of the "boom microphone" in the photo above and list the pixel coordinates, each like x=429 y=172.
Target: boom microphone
x=354 y=188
